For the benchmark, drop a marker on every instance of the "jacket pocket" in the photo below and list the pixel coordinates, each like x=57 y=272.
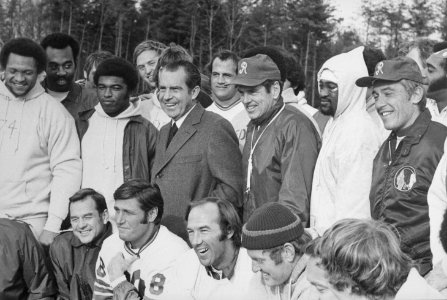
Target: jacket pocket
x=189 y=159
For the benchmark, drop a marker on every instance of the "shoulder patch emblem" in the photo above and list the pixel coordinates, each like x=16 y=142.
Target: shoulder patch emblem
x=101 y=271
x=405 y=179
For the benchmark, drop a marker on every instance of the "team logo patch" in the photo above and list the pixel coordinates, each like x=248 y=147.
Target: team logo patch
x=101 y=271
x=379 y=68
x=243 y=68
x=405 y=179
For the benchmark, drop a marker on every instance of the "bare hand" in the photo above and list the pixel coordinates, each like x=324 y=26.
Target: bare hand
x=118 y=265
x=47 y=237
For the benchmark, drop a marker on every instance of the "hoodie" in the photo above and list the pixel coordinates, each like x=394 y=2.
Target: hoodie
x=40 y=166
x=342 y=176
x=102 y=151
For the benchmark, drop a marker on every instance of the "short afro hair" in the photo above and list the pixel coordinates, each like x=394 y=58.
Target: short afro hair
x=372 y=56
x=120 y=68
x=24 y=47
x=61 y=40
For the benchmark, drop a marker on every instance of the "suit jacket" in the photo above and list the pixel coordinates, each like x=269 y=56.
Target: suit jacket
x=203 y=159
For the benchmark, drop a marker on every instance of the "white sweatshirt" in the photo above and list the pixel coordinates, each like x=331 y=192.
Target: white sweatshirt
x=342 y=176
x=102 y=151
x=40 y=165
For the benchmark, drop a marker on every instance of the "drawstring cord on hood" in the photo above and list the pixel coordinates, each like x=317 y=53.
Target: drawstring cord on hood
x=20 y=125
x=20 y=121
x=104 y=156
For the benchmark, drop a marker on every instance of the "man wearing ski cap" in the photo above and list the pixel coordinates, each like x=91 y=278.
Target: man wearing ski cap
x=405 y=164
x=282 y=144
x=275 y=239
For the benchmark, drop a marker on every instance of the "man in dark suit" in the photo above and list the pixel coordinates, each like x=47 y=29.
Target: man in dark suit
x=197 y=154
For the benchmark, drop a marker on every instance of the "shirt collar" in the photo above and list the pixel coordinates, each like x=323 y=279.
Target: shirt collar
x=180 y=121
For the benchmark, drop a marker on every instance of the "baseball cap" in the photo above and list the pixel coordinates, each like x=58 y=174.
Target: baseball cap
x=253 y=71
x=393 y=70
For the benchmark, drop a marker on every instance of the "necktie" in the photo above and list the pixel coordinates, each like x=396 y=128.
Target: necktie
x=172 y=132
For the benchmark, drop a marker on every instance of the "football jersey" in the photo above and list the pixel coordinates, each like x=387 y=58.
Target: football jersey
x=237 y=116
x=147 y=272
x=189 y=279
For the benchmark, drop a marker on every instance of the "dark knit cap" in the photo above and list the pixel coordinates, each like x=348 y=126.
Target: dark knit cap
x=270 y=226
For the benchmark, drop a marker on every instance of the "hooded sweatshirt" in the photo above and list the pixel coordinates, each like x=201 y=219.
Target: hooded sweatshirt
x=342 y=176
x=102 y=151
x=40 y=165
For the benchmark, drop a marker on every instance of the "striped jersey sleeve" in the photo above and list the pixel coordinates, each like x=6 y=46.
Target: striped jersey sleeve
x=102 y=289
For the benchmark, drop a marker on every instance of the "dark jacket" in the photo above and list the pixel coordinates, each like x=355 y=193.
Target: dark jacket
x=140 y=137
x=79 y=99
x=24 y=273
x=74 y=264
x=400 y=184
x=283 y=161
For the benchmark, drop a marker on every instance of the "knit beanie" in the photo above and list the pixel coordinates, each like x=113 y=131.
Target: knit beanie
x=269 y=226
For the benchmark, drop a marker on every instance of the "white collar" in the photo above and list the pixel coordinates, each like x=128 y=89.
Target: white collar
x=180 y=121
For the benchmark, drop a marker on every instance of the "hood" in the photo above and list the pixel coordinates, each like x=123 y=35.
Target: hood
x=134 y=109
x=35 y=92
x=347 y=68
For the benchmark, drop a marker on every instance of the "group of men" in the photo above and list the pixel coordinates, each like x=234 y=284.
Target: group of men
x=246 y=193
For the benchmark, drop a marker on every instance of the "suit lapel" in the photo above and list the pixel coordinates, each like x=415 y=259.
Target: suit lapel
x=185 y=132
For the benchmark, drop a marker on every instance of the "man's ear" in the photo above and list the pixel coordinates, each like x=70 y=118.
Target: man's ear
x=417 y=95
x=152 y=214
x=288 y=253
x=276 y=90
x=195 y=92
x=230 y=233
x=105 y=216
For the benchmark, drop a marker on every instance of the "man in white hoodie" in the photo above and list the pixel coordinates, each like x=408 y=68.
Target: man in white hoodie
x=39 y=150
x=342 y=176
x=117 y=143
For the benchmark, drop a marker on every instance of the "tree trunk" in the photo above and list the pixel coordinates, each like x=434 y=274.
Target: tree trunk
x=309 y=35
x=148 y=27
x=71 y=17
x=102 y=20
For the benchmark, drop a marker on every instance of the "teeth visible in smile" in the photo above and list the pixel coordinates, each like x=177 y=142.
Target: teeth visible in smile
x=386 y=113
x=202 y=251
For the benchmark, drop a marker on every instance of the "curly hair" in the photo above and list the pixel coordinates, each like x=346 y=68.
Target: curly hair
x=363 y=256
x=59 y=40
x=120 y=68
x=24 y=47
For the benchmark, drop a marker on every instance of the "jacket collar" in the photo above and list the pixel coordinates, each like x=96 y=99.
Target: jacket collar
x=414 y=133
x=265 y=118
x=185 y=132
x=75 y=242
